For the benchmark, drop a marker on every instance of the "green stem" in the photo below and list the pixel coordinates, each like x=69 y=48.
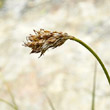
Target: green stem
x=96 y=56
x=94 y=88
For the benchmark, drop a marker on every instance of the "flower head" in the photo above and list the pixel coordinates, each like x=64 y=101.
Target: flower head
x=43 y=40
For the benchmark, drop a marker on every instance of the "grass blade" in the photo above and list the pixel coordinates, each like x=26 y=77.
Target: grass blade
x=94 y=87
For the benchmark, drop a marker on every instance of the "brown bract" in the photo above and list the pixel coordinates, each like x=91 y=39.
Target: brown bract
x=43 y=40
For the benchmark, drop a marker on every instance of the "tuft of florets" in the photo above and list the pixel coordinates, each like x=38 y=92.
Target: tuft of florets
x=43 y=40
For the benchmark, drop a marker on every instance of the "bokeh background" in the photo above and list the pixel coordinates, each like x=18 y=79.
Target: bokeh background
x=65 y=74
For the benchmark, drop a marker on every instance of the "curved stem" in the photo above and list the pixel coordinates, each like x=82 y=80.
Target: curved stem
x=96 y=56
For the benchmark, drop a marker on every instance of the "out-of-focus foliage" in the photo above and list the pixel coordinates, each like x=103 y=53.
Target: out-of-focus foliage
x=1 y=3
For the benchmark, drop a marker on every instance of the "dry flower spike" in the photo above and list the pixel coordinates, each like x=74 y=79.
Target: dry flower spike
x=43 y=40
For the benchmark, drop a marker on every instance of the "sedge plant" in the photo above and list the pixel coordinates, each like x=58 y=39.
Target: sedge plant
x=42 y=40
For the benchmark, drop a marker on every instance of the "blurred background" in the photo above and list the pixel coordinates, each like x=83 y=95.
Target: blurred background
x=63 y=75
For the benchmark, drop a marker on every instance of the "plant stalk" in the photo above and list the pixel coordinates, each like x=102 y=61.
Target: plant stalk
x=94 y=87
x=94 y=54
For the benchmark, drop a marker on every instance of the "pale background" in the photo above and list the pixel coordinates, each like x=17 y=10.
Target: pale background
x=65 y=74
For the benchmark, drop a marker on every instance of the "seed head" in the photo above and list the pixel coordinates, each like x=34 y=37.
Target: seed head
x=43 y=40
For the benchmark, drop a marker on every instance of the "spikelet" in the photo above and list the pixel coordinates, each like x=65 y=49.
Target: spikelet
x=43 y=40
